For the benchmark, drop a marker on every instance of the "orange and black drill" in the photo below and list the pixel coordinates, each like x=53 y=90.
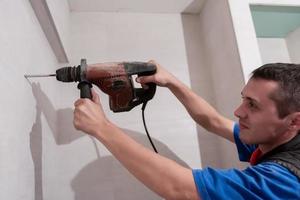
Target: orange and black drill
x=114 y=79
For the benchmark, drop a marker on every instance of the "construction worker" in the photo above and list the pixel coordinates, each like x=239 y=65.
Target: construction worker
x=266 y=135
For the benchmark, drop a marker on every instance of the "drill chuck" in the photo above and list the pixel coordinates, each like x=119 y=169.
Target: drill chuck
x=68 y=74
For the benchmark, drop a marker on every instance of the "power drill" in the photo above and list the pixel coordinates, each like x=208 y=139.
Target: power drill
x=114 y=79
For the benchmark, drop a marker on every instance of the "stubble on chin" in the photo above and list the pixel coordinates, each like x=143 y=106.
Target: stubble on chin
x=246 y=137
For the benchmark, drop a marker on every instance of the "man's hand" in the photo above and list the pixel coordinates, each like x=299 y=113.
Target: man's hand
x=162 y=77
x=89 y=116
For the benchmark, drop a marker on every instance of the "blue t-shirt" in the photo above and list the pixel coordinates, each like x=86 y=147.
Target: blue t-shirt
x=266 y=180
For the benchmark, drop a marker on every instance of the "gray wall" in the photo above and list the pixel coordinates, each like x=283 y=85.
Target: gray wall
x=23 y=130
x=221 y=63
x=44 y=157
x=293 y=45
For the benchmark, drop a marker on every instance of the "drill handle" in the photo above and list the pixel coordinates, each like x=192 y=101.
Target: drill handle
x=85 y=89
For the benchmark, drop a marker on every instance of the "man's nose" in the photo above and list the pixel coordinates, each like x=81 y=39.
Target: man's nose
x=239 y=112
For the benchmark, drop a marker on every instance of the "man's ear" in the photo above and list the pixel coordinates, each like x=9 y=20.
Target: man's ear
x=294 y=121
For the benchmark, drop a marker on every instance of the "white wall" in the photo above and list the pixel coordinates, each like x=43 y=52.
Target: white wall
x=293 y=45
x=245 y=36
x=220 y=55
x=273 y=50
x=60 y=13
x=245 y=33
x=24 y=49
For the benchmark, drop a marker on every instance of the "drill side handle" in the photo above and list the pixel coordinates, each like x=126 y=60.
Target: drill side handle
x=85 y=89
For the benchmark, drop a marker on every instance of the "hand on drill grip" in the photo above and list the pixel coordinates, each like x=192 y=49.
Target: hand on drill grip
x=162 y=77
x=88 y=115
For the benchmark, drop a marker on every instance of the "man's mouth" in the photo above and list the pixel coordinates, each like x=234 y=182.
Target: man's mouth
x=243 y=126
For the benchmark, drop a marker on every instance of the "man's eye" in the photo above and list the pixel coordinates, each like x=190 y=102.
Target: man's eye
x=251 y=104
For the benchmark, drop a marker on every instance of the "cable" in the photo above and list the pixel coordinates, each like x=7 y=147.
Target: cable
x=143 y=114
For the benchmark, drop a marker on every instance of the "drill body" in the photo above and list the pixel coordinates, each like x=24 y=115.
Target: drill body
x=114 y=79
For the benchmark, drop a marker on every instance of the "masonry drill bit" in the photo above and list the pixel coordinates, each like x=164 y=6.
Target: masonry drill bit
x=38 y=75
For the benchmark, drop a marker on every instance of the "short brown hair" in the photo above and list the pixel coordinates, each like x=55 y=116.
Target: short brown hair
x=287 y=97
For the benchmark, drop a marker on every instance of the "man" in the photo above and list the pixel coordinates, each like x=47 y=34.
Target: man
x=267 y=135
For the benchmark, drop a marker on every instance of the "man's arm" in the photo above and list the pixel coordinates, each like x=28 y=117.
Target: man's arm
x=160 y=174
x=200 y=110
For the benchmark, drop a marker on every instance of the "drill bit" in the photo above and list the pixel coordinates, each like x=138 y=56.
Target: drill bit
x=38 y=75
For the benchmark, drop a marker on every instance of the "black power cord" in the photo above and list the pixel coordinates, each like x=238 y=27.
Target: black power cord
x=143 y=114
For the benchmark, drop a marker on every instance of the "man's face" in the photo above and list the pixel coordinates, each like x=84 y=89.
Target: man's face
x=258 y=115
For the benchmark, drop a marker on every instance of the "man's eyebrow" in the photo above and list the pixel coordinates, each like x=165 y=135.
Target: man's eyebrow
x=249 y=98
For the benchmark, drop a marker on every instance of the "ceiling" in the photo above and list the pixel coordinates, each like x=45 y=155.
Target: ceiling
x=275 y=21
x=141 y=6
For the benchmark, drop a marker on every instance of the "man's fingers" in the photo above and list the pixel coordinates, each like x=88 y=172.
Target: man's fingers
x=145 y=86
x=152 y=62
x=147 y=79
x=95 y=98
x=144 y=79
x=82 y=101
x=78 y=102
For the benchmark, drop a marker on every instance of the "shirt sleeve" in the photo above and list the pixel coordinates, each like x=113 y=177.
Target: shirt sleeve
x=213 y=184
x=244 y=150
x=268 y=181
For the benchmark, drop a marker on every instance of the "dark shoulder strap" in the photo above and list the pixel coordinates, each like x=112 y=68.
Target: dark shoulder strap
x=287 y=155
x=291 y=167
